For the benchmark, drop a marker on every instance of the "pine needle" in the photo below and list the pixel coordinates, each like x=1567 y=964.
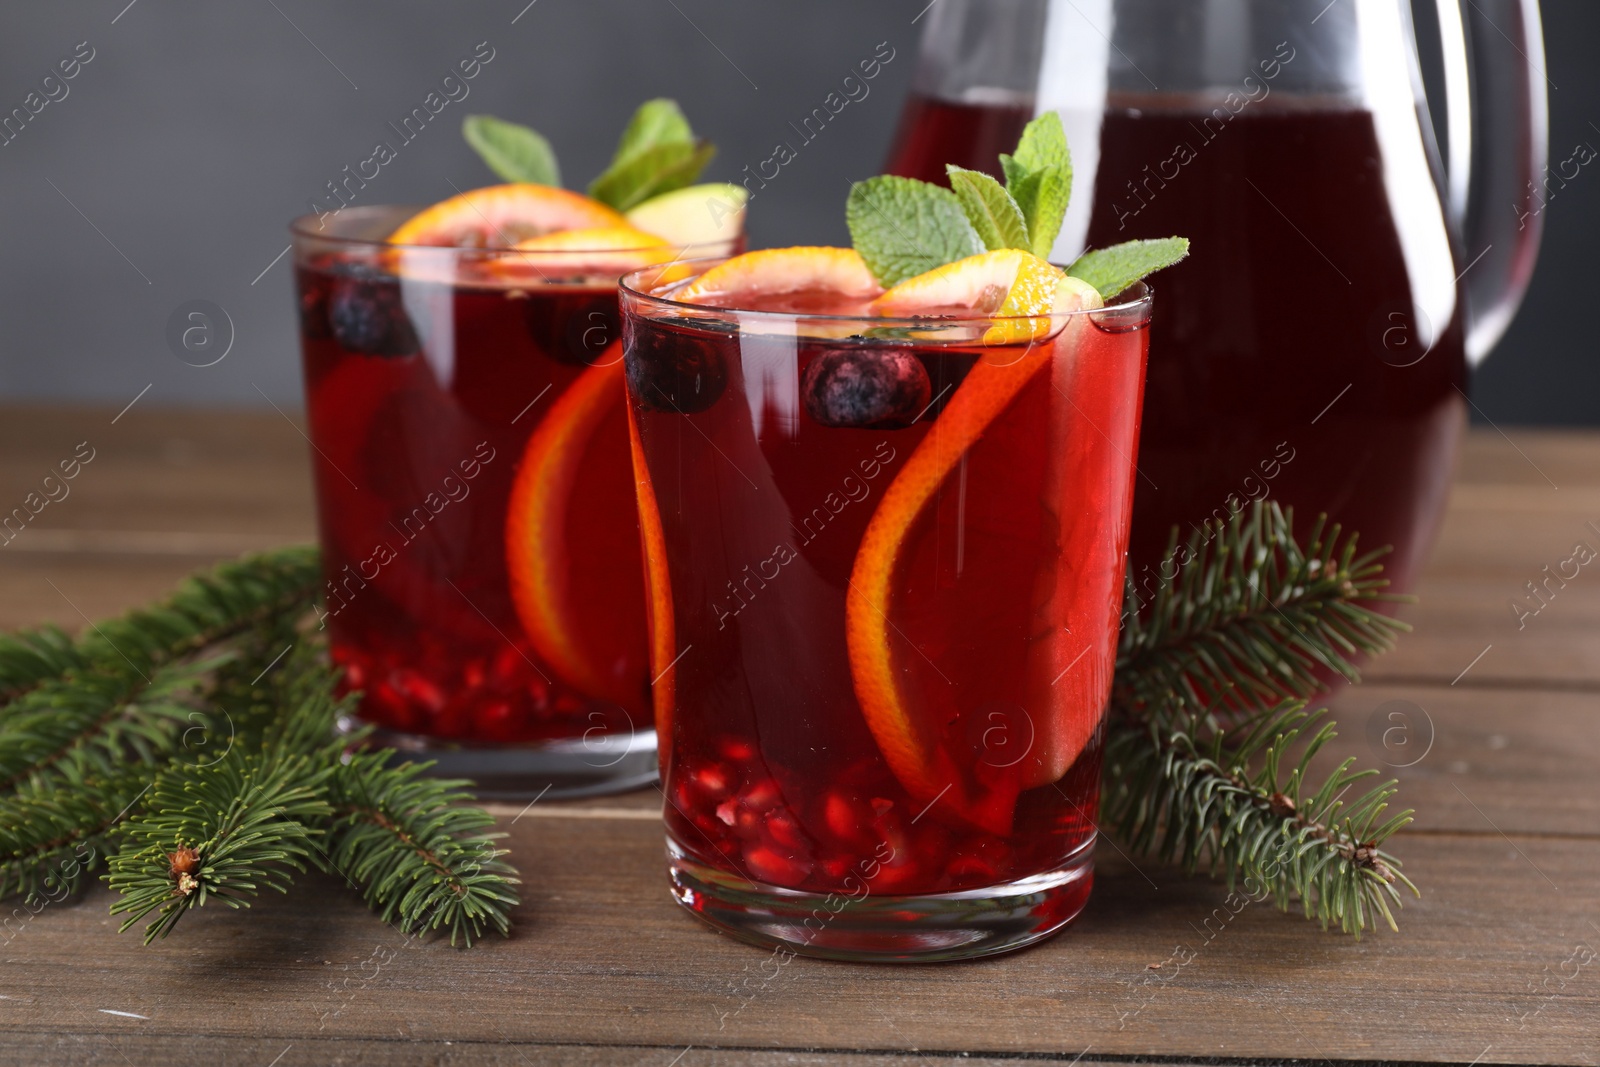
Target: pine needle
x=1209 y=746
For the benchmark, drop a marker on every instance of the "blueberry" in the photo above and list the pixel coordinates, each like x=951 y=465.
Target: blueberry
x=879 y=387
x=673 y=370
x=314 y=307
x=367 y=315
x=574 y=328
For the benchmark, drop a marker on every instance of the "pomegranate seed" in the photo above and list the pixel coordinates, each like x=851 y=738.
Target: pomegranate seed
x=763 y=796
x=725 y=812
x=737 y=749
x=846 y=820
x=784 y=830
x=774 y=868
x=387 y=706
x=973 y=870
x=419 y=690
x=496 y=720
x=473 y=675
x=508 y=666
x=714 y=780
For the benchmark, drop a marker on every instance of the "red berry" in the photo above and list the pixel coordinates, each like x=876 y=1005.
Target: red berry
x=847 y=820
x=737 y=749
x=496 y=720
x=420 y=690
x=784 y=830
x=770 y=866
x=763 y=796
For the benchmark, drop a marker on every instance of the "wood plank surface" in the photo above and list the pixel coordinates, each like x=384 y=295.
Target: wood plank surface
x=1488 y=725
x=601 y=955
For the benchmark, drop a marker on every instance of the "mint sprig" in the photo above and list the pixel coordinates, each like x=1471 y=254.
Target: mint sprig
x=992 y=212
x=658 y=152
x=903 y=227
x=1039 y=179
x=1111 y=270
x=514 y=152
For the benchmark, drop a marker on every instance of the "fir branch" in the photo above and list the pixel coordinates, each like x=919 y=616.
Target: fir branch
x=218 y=828
x=32 y=656
x=1250 y=618
x=110 y=715
x=54 y=832
x=419 y=854
x=233 y=598
x=1208 y=711
x=1220 y=800
x=226 y=830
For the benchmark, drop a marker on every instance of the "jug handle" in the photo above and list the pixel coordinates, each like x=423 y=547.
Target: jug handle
x=1497 y=117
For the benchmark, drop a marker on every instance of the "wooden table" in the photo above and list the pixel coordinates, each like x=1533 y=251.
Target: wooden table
x=1489 y=966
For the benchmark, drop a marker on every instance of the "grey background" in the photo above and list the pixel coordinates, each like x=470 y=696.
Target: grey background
x=199 y=129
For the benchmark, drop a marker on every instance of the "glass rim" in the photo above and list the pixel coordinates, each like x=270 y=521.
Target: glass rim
x=627 y=287
x=305 y=226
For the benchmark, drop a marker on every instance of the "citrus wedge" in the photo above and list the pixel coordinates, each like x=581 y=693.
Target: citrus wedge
x=699 y=214
x=658 y=594
x=1003 y=283
x=912 y=747
x=574 y=570
x=498 y=216
x=839 y=272
x=590 y=250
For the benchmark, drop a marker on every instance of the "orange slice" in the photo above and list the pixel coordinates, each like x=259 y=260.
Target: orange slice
x=1007 y=282
x=498 y=216
x=910 y=746
x=772 y=271
x=658 y=593
x=590 y=250
x=572 y=562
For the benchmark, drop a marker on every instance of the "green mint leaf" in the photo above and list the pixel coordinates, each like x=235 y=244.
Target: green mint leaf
x=514 y=152
x=1043 y=144
x=657 y=122
x=1111 y=270
x=655 y=170
x=657 y=154
x=904 y=227
x=989 y=208
x=1039 y=179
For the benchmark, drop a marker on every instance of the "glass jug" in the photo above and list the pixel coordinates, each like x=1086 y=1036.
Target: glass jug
x=1313 y=349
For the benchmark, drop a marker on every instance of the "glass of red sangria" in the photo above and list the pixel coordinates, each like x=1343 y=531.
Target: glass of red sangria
x=885 y=536
x=464 y=395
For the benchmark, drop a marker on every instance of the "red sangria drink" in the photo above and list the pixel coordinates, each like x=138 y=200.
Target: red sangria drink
x=885 y=536
x=464 y=392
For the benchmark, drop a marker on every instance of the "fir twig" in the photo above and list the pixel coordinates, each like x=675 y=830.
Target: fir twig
x=226 y=830
x=1208 y=713
x=230 y=827
x=111 y=715
x=32 y=656
x=1251 y=617
x=53 y=834
x=1221 y=800
x=421 y=856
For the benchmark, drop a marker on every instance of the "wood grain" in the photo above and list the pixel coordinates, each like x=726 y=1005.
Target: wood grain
x=604 y=969
x=602 y=956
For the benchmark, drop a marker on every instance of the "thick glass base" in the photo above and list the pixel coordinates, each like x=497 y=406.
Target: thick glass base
x=911 y=929
x=577 y=767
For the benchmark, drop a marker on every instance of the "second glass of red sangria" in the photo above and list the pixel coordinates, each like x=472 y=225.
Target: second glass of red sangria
x=484 y=590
